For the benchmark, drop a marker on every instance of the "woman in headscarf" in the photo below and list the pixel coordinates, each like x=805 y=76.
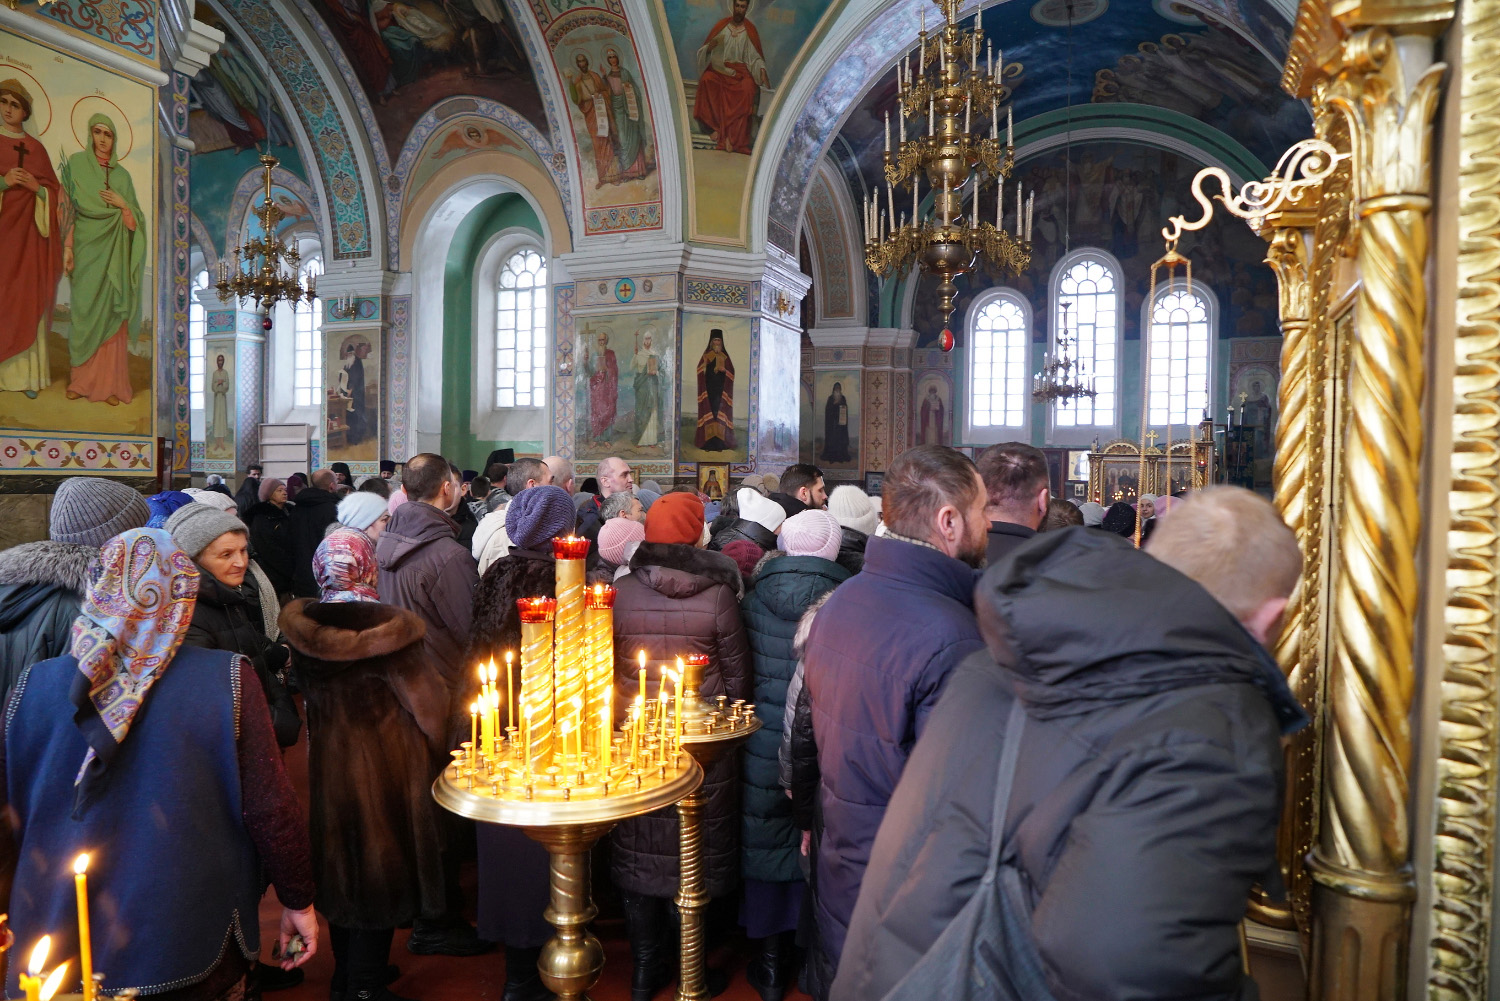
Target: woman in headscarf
x=344 y=563
x=104 y=256
x=1120 y=519
x=81 y=758
x=294 y=485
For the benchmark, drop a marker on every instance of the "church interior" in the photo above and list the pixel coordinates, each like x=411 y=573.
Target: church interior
x=534 y=225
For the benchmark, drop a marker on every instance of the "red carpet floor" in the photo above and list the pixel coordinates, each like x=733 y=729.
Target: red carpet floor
x=444 y=978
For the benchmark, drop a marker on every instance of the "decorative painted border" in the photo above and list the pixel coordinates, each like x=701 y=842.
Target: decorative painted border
x=366 y=310
x=127 y=25
x=181 y=282
x=564 y=414
x=250 y=373
x=61 y=451
x=398 y=413
x=719 y=292
x=658 y=288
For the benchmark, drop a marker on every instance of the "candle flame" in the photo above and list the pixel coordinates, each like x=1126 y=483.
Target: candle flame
x=473 y=708
x=81 y=864
x=54 y=982
x=641 y=657
x=510 y=655
x=39 y=956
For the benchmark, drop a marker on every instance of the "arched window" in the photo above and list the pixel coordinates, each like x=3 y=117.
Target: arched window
x=521 y=331
x=1086 y=303
x=197 y=331
x=307 y=372
x=999 y=338
x=1180 y=337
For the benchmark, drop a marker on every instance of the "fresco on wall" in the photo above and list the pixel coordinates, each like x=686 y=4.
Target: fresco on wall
x=352 y=387
x=459 y=139
x=408 y=56
x=295 y=214
x=1120 y=197
x=623 y=383
x=219 y=400
x=715 y=388
x=780 y=353
x=836 y=419
x=932 y=411
x=78 y=275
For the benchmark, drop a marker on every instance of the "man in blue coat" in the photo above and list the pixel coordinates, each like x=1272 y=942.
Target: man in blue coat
x=877 y=659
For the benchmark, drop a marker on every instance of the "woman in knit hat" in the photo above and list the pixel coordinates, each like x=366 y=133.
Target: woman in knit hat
x=271 y=543
x=678 y=599
x=213 y=498
x=344 y=563
x=43 y=583
x=237 y=609
x=787 y=583
x=513 y=869
x=618 y=539
x=858 y=519
x=757 y=521
x=163 y=504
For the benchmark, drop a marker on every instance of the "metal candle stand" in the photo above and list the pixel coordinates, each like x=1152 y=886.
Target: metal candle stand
x=709 y=731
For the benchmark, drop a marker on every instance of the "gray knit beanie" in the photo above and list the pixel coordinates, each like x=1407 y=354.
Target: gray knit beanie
x=194 y=526
x=91 y=510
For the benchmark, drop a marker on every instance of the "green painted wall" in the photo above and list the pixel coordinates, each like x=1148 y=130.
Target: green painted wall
x=491 y=216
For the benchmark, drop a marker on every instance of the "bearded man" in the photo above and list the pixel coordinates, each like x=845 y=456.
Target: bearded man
x=733 y=67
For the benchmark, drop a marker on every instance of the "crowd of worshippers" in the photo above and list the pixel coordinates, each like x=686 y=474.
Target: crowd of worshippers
x=1005 y=753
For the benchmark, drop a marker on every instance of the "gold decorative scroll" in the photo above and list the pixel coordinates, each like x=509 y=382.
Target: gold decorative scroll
x=1464 y=865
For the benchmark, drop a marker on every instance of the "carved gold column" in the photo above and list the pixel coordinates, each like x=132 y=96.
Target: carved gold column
x=1361 y=867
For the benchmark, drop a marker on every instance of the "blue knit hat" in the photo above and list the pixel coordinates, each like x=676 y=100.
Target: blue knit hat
x=163 y=505
x=539 y=515
x=360 y=510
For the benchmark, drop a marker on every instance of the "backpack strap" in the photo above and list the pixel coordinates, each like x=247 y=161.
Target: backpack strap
x=1010 y=754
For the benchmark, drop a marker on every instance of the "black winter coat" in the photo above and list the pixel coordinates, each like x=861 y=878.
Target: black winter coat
x=1005 y=537
x=1146 y=796
x=246 y=497
x=376 y=719
x=41 y=586
x=273 y=545
x=229 y=618
x=785 y=587
x=679 y=600
x=314 y=511
x=852 y=544
x=747 y=531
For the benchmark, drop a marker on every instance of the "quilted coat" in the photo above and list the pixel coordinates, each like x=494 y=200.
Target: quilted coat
x=41 y=584
x=679 y=600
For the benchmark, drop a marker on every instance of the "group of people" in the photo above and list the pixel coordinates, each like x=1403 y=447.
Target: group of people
x=1057 y=776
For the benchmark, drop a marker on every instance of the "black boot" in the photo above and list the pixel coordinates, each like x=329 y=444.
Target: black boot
x=273 y=978
x=651 y=944
x=338 y=939
x=456 y=938
x=369 y=953
x=523 y=981
x=770 y=969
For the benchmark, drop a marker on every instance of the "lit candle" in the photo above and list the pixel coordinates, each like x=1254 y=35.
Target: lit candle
x=85 y=944
x=53 y=983
x=494 y=714
x=599 y=624
x=536 y=678
x=31 y=980
x=569 y=653
x=511 y=698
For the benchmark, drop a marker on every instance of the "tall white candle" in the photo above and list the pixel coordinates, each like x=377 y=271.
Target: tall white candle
x=887 y=131
x=947 y=192
x=890 y=201
x=915 y=204
x=1018 y=211
x=968 y=107
x=974 y=215
x=1010 y=126
x=1000 y=206
x=989 y=58
x=931 y=117
x=1030 y=204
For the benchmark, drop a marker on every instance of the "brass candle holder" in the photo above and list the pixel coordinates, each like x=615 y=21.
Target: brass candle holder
x=709 y=731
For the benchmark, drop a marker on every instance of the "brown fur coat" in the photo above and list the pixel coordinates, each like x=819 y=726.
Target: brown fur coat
x=376 y=718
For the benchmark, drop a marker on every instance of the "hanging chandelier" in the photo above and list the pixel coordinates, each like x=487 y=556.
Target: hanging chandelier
x=1063 y=378
x=955 y=160
x=265 y=270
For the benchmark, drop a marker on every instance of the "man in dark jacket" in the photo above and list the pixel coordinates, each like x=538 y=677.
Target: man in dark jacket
x=248 y=494
x=801 y=488
x=316 y=508
x=1145 y=799
x=424 y=569
x=614 y=475
x=1015 y=477
x=42 y=583
x=756 y=521
x=878 y=656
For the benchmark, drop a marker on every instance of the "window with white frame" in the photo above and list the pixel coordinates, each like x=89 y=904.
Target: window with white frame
x=1179 y=339
x=521 y=331
x=1086 y=303
x=307 y=370
x=197 y=332
x=999 y=363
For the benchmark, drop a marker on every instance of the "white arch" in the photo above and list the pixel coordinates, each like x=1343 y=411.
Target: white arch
x=990 y=434
x=830 y=243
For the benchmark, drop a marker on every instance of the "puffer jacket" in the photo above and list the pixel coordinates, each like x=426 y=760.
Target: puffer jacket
x=41 y=587
x=679 y=600
x=243 y=620
x=424 y=569
x=741 y=530
x=1145 y=800
x=852 y=544
x=785 y=588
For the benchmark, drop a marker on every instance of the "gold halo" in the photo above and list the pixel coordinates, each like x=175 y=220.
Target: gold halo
x=38 y=97
x=119 y=118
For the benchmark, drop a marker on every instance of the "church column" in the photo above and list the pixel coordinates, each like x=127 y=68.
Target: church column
x=234 y=396
x=779 y=410
x=366 y=366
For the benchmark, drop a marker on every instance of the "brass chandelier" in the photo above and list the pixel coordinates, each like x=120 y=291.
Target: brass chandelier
x=953 y=157
x=265 y=270
x=1063 y=378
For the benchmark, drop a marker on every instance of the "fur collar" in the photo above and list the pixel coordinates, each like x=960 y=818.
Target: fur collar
x=348 y=631
x=714 y=567
x=60 y=564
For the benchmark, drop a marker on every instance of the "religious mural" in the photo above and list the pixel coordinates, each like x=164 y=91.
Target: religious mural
x=610 y=114
x=932 y=411
x=836 y=419
x=780 y=354
x=351 y=383
x=459 y=139
x=715 y=388
x=623 y=383
x=78 y=176
x=219 y=400
x=408 y=56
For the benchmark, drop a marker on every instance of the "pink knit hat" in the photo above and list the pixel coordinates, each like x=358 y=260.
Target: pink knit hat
x=617 y=533
x=811 y=533
x=397 y=499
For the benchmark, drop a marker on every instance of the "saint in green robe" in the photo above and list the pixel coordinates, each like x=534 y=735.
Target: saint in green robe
x=109 y=260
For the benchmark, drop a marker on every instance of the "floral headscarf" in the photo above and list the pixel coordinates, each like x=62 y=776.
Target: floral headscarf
x=345 y=568
x=132 y=621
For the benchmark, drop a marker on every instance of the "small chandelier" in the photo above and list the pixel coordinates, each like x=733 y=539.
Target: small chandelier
x=1063 y=378
x=952 y=156
x=265 y=270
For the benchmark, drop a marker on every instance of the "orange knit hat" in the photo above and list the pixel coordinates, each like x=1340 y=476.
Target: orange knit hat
x=675 y=518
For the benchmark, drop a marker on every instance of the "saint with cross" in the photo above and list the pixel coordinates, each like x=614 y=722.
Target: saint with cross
x=31 y=265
